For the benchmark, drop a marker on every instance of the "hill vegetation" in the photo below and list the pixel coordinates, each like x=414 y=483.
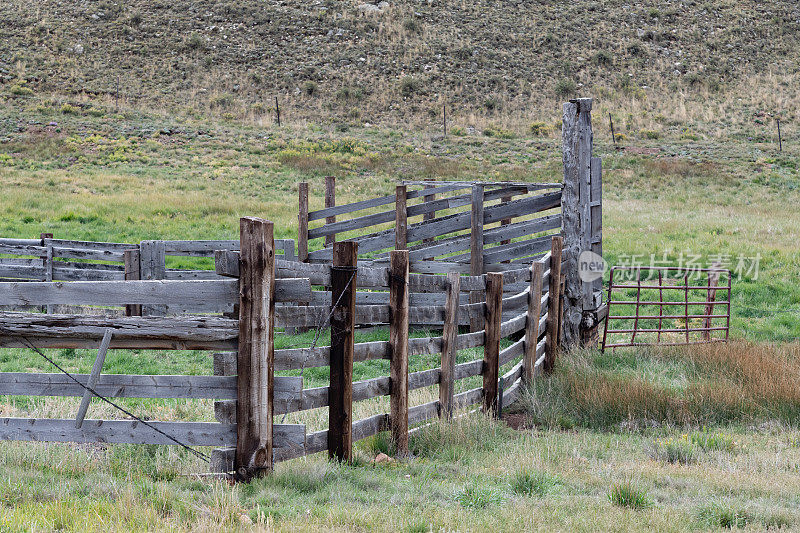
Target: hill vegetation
x=659 y=66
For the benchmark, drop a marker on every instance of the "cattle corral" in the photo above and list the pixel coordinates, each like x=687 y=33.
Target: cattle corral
x=493 y=266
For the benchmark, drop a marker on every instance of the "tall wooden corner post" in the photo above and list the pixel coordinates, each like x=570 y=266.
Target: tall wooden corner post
x=581 y=221
x=256 y=355
x=398 y=341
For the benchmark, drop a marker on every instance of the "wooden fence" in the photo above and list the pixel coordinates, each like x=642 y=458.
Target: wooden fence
x=249 y=393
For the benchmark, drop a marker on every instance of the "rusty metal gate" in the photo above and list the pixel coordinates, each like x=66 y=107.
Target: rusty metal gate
x=667 y=306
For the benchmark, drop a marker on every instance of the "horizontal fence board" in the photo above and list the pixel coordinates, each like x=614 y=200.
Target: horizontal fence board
x=470 y=340
x=521 y=229
x=424 y=378
x=182 y=275
x=155 y=333
x=90 y=255
x=512 y=392
x=441 y=204
x=438 y=226
x=514 y=374
x=467 y=398
x=189 y=294
x=352 y=224
x=61 y=273
x=468 y=369
x=91 y=245
x=199 y=248
x=518 y=208
x=139 y=386
x=297 y=358
x=441 y=247
x=436 y=189
x=424 y=345
x=349 y=208
x=505 y=252
x=421 y=413
x=509 y=353
x=513 y=325
x=367 y=427
x=117 y=431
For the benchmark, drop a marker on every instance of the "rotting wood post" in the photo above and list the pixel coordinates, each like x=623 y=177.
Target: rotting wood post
x=398 y=342
x=152 y=265
x=330 y=201
x=449 y=346
x=532 y=322
x=575 y=211
x=343 y=301
x=400 y=218
x=302 y=223
x=47 y=263
x=476 y=249
x=256 y=352
x=491 y=349
x=131 y=260
x=553 y=305
x=429 y=216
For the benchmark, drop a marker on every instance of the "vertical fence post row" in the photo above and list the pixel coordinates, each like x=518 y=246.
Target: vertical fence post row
x=256 y=352
x=132 y=262
x=330 y=201
x=532 y=322
x=400 y=218
x=152 y=265
x=302 y=223
x=476 y=249
x=491 y=349
x=553 y=304
x=343 y=315
x=398 y=341
x=449 y=347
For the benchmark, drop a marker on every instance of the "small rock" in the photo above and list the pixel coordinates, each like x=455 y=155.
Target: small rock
x=78 y=49
x=383 y=5
x=368 y=8
x=640 y=33
x=382 y=458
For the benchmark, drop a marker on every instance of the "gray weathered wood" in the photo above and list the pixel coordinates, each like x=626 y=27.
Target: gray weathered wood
x=330 y=201
x=491 y=350
x=532 y=322
x=351 y=224
x=91 y=381
x=302 y=223
x=152 y=266
x=517 y=249
x=70 y=331
x=511 y=352
x=596 y=214
x=132 y=265
x=521 y=229
x=476 y=249
x=518 y=208
x=421 y=413
x=400 y=219
x=349 y=208
x=449 y=353
x=553 y=304
x=255 y=360
x=398 y=341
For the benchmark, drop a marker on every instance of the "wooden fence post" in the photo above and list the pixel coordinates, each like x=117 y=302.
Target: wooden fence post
x=532 y=323
x=256 y=352
x=398 y=341
x=223 y=459
x=131 y=259
x=429 y=216
x=476 y=249
x=449 y=346
x=47 y=263
x=302 y=223
x=152 y=265
x=576 y=212
x=400 y=218
x=330 y=201
x=340 y=392
x=553 y=304
x=491 y=349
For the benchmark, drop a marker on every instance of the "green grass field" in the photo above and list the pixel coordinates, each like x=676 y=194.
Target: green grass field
x=585 y=459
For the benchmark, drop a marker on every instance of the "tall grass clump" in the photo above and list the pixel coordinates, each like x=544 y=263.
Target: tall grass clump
x=737 y=382
x=532 y=483
x=460 y=438
x=627 y=494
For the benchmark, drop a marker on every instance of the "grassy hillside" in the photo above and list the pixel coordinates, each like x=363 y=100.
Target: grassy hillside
x=659 y=67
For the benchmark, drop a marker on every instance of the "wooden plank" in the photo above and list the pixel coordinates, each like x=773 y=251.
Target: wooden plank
x=476 y=249
x=449 y=352
x=349 y=208
x=421 y=413
x=511 y=352
x=521 y=229
x=525 y=206
x=204 y=248
x=72 y=272
x=137 y=386
x=428 y=199
x=467 y=398
x=517 y=249
x=330 y=201
x=92 y=245
x=437 y=188
x=532 y=324
x=152 y=266
x=116 y=431
x=302 y=223
x=491 y=350
x=294 y=358
x=71 y=331
x=131 y=258
x=468 y=369
x=343 y=301
x=439 y=226
x=553 y=311
x=400 y=219
x=190 y=275
x=91 y=381
x=596 y=214
x=255 y=359
x=398 y=340
x=442 y=247
x=352 y=224
x=92 y=255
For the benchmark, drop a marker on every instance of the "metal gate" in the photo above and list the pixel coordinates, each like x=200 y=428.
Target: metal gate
x=667 y=306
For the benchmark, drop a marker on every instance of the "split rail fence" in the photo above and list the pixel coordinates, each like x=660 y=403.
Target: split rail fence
x=270 y=294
